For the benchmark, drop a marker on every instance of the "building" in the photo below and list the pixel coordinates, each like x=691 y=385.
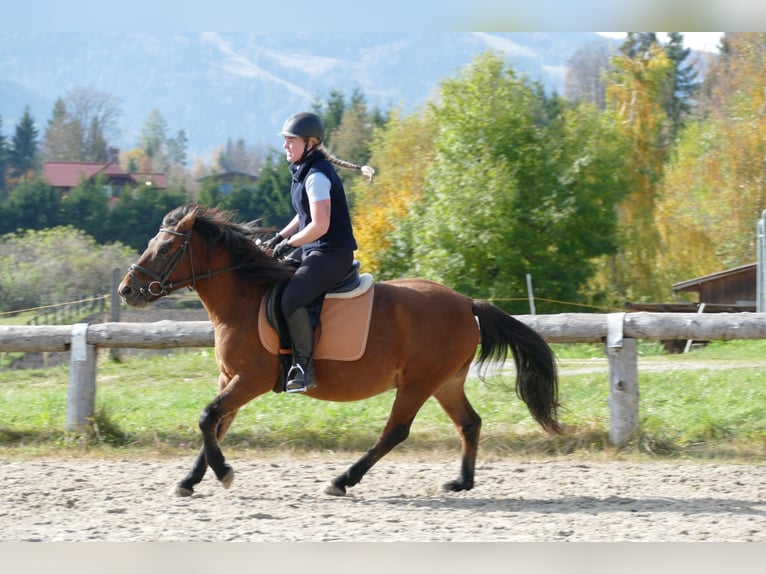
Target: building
x=65 y=175
x=226 y=180
x=728 y=291
x=735 y=287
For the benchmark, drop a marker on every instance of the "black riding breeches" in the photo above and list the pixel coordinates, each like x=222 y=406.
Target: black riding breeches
x=318 y=272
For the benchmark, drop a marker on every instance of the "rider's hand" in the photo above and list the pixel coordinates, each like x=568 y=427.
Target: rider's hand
x=271 y=243
x=281 y=249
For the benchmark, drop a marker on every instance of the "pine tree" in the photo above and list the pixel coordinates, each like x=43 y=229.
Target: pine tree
x=62 y=140
x=24 y=146
x=683 y=87
x=3 y=162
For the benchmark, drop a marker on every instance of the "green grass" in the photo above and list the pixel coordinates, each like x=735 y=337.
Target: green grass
x=152 y=405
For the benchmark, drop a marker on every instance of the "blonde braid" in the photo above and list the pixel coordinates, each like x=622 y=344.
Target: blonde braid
x=366 y=170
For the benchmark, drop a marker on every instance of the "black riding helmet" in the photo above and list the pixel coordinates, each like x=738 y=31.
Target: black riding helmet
x=303 y=125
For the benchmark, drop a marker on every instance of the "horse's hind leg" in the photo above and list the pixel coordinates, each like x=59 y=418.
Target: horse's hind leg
x=397 y=429
x=452 y=399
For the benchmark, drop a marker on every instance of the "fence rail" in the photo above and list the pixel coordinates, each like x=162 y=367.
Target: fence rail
x=618 y=331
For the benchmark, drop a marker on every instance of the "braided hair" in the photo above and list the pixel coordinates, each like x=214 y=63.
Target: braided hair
x=366 y=170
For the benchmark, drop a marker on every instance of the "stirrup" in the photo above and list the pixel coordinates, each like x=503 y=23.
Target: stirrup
x=296 y=380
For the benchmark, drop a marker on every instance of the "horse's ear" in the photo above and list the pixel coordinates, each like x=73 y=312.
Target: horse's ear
x=188 y=221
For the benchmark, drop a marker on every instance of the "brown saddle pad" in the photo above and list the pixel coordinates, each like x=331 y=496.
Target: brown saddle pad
x=342 y=332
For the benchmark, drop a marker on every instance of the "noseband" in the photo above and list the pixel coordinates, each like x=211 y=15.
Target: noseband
x=160 y=286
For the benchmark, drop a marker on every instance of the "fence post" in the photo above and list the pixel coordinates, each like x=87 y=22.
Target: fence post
x=622 y=355
x=81 y=401
x=623 y=392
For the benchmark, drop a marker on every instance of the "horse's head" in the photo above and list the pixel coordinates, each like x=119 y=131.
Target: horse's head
x=167 y=262
x=195 y=245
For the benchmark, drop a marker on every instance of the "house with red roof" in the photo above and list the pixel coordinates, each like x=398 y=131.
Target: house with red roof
x=64 y=175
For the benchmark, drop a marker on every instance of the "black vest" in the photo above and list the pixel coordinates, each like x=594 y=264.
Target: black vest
x=340 y=234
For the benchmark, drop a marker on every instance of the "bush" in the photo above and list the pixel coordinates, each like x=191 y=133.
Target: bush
x=55 y=265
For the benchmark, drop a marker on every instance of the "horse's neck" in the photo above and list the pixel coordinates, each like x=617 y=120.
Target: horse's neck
x=228 y=300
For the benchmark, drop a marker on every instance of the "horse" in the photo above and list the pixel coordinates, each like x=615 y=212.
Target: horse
x=423 y=338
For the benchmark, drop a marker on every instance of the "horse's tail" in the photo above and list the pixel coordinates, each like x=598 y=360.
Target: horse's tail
x=536 y=377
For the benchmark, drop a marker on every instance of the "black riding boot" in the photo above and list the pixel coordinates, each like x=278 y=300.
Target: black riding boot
x=301 y=376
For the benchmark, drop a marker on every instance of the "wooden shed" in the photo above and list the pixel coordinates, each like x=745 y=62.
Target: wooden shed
x=735 y=287
x=728 y=291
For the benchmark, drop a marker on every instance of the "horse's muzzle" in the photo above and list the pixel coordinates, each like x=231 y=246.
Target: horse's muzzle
x=131 y=294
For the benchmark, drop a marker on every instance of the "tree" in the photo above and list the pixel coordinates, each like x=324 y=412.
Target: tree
x=86 y=207
x=714 y=188
x=404 y=150
x=351 y=140
x=138 y=215
x=31 y=204
x=178 y=148
x=683 y=87
x=586 y=73
x=152 y=141
x=24 y=147
x=513 y=182
x=267 y=199
x=96 y=147
x=639 y=44
x=36 y=266
x=636 y=98
x=81 y=126
x=4 y=159
x=238 y=156
x=63 y=137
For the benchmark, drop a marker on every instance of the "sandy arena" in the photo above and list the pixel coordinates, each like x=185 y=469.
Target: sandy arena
x=281 y=499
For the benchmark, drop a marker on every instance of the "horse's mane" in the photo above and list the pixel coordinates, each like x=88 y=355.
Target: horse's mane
x=218 y=227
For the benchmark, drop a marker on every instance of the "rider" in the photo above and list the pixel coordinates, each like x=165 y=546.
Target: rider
x=321 y=229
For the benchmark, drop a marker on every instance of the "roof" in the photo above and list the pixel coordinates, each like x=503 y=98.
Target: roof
x=69 y=174
x=229 y=175
x=689 y=283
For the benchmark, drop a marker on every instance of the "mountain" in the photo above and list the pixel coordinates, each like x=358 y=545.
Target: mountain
x=219 y=86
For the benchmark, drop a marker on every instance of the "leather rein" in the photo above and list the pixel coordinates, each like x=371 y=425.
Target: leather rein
x=160 y=286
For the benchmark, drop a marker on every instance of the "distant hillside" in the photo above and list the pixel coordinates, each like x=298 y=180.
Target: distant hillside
x=219 y=86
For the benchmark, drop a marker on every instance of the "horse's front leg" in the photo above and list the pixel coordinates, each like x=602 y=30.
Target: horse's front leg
x=213 y=424
x=197 y=472
x=186 y=486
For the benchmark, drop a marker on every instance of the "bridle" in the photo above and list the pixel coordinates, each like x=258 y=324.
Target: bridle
x=160 y=286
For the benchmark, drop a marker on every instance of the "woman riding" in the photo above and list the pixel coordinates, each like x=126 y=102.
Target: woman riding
x=320 y=233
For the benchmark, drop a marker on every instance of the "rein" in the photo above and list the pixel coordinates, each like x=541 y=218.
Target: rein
x=160 y=286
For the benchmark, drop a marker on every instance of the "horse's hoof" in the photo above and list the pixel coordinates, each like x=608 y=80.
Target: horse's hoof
x=227 y=478
x=333 y=490
x=183 y=491
x=457 y=486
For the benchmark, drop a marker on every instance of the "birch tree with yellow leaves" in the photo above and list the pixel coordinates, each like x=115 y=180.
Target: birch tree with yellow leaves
x=715 y=185
x=635 y=96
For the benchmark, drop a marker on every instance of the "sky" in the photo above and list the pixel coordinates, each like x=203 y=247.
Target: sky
x=700 y=41
x=392 y=15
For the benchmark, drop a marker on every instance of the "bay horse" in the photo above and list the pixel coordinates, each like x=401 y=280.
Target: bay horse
x=423 y=338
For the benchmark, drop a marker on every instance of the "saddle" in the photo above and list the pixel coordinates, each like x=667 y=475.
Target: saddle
x=341 y=319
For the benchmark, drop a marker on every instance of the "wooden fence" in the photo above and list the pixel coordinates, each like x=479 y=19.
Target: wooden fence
x=618 y=332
